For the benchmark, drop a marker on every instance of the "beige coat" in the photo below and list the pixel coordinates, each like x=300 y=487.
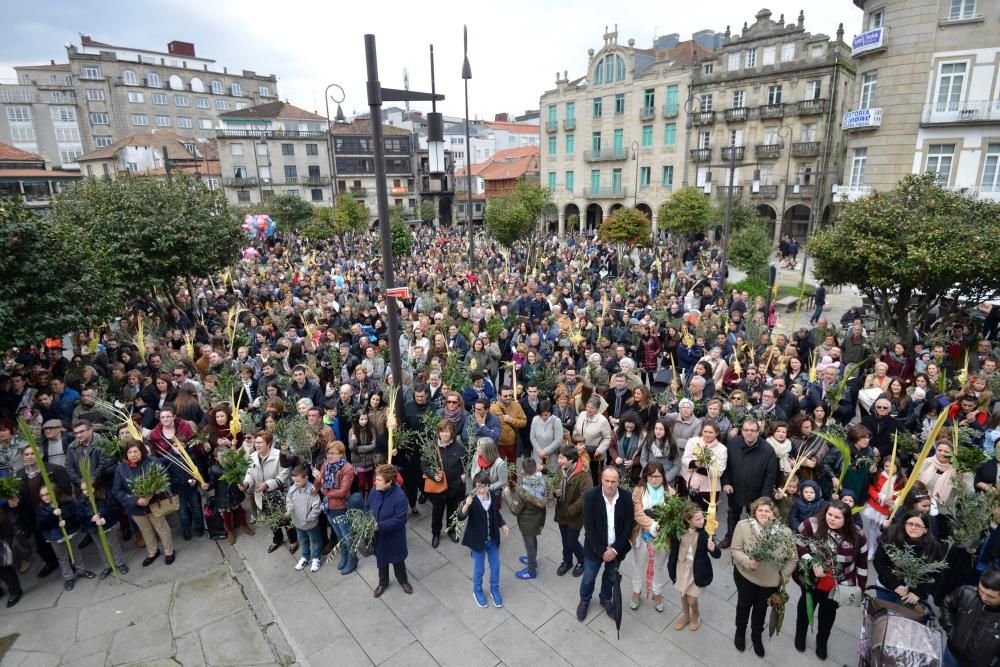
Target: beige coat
x=766 y=574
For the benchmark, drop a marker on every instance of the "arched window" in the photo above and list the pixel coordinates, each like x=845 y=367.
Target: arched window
x=599 y=73
x=197 y=86
x=609 y=69
x=153 y=80
x=620 y=73
x=217 y=87
x=128 y=78
x=175 y=82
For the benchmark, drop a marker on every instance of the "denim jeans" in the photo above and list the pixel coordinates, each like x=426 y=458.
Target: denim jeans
x=492 y=552
x=570 y=544
x=342 y=530
x=816 y=314
x=311 y=542
x=949 y=659
x=190 y=511
x=590 y=569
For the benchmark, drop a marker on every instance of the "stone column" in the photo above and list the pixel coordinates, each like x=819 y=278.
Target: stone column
x=562 y=223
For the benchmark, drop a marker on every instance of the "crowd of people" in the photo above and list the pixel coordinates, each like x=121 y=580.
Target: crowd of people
x=597 y=384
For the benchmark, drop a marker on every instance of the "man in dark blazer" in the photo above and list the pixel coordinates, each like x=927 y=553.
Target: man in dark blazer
x=607 y=518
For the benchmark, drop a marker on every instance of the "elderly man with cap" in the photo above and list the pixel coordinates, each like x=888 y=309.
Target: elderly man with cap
x=55 y=442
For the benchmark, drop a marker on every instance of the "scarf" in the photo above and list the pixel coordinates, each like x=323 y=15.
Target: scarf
x=131 y=465
x=655 y=496
x=938 y=478
x=330 y=480
x=565 y=478
x=454 y=415
x=481 y=462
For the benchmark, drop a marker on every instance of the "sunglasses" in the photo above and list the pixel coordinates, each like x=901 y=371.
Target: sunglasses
x=452 y=402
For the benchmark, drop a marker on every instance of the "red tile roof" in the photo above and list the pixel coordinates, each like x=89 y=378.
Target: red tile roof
x=363 y=127
x=10 y=154
x=519 y=128
x=507 y=164
x=278 y=110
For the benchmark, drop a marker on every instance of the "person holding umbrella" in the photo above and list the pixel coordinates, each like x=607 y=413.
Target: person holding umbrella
x=607 y=520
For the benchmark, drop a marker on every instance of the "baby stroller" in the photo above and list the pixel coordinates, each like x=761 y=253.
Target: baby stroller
x=894 y=635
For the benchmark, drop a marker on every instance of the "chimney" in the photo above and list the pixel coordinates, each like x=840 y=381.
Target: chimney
x=502 y=118
x=85 y=40
x=52 y=62
x=178 y=48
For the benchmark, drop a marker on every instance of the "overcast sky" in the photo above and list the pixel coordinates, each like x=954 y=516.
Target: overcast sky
x=515 y=47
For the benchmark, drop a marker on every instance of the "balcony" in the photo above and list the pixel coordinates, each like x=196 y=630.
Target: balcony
x=805 y=149
x=605 y=193
x=978 y=111
x=862 y=119
x=701 y=154
x=399 y=191
x=733 y=152
x=316 y=180
x=766 y=192
x=722 y=191
x=670 y=110
x=647 y=113
x=359 y=193
x=845 y=193
x=268 y=134
x=552 y=126
x=608 y=155
x=737 y=115
x=811 y=107
x=765 y=111
x=870 y=42
x=703 y=118
x=768 y=151
x=804 y=191
x=240 y=182
x=569 y=124
x=985 y=191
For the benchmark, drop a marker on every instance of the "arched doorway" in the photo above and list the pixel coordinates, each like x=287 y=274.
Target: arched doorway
x=572 y=223
x=768 y=213
x=614 y=207
x=796 y=222
x=645 y=210
x=595 y=216
x=550 y=220
x=444 y=210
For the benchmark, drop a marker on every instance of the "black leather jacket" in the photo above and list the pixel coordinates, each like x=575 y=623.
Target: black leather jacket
x=973 y=628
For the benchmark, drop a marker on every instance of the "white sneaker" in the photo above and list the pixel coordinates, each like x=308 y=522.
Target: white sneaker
x=315 y=565
x=301 y=564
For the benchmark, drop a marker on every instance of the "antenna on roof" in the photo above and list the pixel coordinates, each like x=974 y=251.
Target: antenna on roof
x=406 y=85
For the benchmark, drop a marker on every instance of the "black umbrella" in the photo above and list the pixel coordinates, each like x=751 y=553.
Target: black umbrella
x=616 y=603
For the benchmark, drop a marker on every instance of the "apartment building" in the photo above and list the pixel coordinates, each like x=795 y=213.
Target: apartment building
x=926 y=96
x=354 y=158
x=274 y=148
x=615 y=136
x=764 y=113
x=156 y=154
x=26 y=176
x=105 y=93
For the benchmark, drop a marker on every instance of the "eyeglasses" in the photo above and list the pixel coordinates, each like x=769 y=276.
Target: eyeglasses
x=881 y=407
x=915 y=524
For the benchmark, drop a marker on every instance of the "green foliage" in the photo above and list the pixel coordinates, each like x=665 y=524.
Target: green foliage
x=235 y=464
x=10 y=487
x=910 y=567
x=776 y=544
x=755 y=286
x=150 y=482
x=151 y=232
x=402 y=239
x=669 y=515
x=54 y=279
x=917 y=240
x=688 y=211
x=349 y=216
x=455 y=374
x=427 y=211
x=361 y=528
x=750 y=248
x=626 y=226
x=290 y=213
x=573 y=222
x=513 y=217
x=969 y=458
x=295 y=435
x=397 y=213
x=970 y=514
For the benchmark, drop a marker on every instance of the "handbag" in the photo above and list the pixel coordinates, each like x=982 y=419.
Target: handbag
x=431 y=485
x=847 y=595
x=165 y=505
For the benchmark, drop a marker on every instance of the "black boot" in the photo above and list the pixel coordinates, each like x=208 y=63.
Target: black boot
x=758 y=644
x=740 y=641
x=801 y=627
x=821 y=646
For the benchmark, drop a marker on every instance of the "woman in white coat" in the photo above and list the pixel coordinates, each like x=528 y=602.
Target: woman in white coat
x=267 y=479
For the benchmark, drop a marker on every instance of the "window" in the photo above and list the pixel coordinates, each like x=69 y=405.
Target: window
x=570 y=144
x=239 y=172
x=670 y=134
x=288 y=149
x=291 y=171
x=312 y=149
x=139 y=119
x=205 y=123
x=551 y=180
x=316 y=194
x=809 y=132
x=553 y=114
x=217 y=88
x=243 y=196
x=19 y=114
x=135 y=97
x=814 y=89
x=221 y=105
x=595 y=142
x=738 y=99
x=185 y=122
x=616 y=180
x=95 y=95
x=962 y=9
x=869 y=81
x=673 y=91
x=598 y=106
x=163 y=121
x=599 y=74
x=91 y=72
x=552 y=145
x=771 y=136
x=787 y=52
x=939 y=158
x=619 y=141
x=709 y=68
x=667 y=179
x=8 y=96
x=101 y=142
x=647 y=136
x=734 y=61
x=619 y=69
x=22 y=134
x=569 y=177
x=774 y=94
x=25 y=95
x=991 y=170
x=67 y=135
x=649 y=100
x=129 y=78
x=201 y=102
x=706 y=103
x=751 y=58
x=153 y=80
x=56 y=96
x=816 y=52
x=735 y=137
x=213 y=184
x=295 y=193
x=236 y=149
x=950 y=84
x=644 y=176
x=264 y=91
x=69 y=155
x=704 y=140
x=876 y=19
x=768 y=57
x=181 y=100
x=236 y=90
x=158 y=98
x=595 y=180
x=619 y=104
x=63 y=114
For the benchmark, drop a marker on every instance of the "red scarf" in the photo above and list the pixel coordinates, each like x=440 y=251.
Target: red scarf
x=482 y=462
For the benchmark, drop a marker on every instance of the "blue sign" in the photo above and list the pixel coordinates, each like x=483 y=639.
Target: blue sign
x=862 y=118
x=872 y=39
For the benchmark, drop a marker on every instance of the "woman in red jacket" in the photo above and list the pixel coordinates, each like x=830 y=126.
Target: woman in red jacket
x=334 y=481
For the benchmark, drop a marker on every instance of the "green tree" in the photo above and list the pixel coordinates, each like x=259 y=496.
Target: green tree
x=402 y=239
x=54 y=281
x=152 y=232
x=342 y=221
x=688 y=211
x=397 y=213
x=427 y=211
x=290 y=212
x=625 y=227
x=512 y=218
x=911 y=247
x=750 y=247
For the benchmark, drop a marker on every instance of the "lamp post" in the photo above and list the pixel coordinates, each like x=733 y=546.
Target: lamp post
x=260 y=181
x=376 y=95
x=466 y=75
x=784 y=131
x=732 y=166
x=329 y=136
x=635 y=157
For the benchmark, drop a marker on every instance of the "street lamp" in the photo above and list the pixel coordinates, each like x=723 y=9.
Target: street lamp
x=635 y=157
x=727 y=228
x=261 y=134
x=329 y=135
x=783 y=132
x=466 y=75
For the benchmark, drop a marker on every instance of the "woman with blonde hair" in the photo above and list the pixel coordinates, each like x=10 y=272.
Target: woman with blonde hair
x=652 y=490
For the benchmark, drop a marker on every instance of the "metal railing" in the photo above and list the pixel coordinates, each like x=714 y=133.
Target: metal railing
x=703 y=118
x=810 y=107
x=766 y=192
x=701 y=154
x=647 y=113
x=805 y=148
x=670 y=110
x=268 y=134
x=551 y=126
x=606 y=192
x=737 y=115
x=569 y=124
x=240 y=182
x=605 y=155
x=733 y=152
x=767 y=151
x=973 y=111
x=722 y=191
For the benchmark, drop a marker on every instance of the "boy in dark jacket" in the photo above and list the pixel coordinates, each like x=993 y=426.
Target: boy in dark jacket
x=51 y=517
x=482 y=536
x=527 y=503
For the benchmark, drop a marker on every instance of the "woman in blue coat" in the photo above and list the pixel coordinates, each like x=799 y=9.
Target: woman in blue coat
x=390 y=508
x=137 y=459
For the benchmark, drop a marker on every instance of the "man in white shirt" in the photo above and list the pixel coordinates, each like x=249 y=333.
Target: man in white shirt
x=607 y=519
